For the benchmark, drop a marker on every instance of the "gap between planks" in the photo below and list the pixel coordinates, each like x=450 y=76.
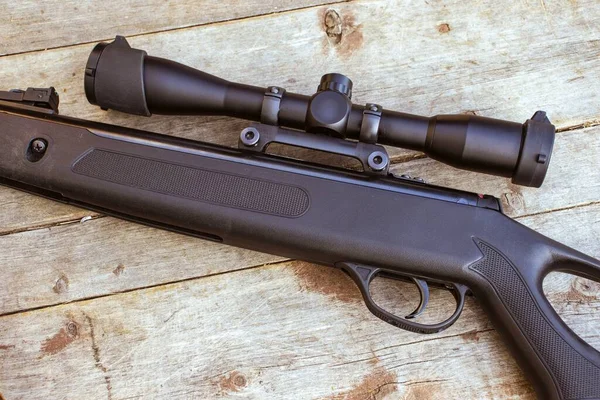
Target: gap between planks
x=179 y=28
x=583 y=125
x=120 y=292
x=559 y=209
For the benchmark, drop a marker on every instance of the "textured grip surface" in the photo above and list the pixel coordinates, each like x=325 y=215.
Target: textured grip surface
x=194 y=183
x=575 y=376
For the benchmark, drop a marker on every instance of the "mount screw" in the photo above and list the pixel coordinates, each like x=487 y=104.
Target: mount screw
x=249 y=136
x=39 y=146
x=378 y=161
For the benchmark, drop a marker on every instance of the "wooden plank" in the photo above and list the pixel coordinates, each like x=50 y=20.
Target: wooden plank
x=265 y=333
x=23 y=211
x=577 y=227
x=489 y=63
x=31 y=25
x=103 y=256
x=476 y=66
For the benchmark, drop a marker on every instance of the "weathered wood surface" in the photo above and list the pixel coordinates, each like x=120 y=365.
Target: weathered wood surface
x=253 y=337
x=170 y=316
x=31 y=25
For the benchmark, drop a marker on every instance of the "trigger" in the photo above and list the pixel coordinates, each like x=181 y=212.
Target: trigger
x=424 y=293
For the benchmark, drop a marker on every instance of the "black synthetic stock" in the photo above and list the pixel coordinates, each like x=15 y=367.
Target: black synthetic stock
x=523 y=315
x=319 y=214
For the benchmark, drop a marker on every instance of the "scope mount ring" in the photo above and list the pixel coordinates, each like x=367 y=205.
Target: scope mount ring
x=373 y=157
x=269 y=113
x=369 y=127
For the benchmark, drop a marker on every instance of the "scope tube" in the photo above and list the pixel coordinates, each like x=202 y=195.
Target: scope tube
x=124 y=79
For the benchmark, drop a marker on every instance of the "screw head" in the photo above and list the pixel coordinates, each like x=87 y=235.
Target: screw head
x=249 y=136
x=378 y=160
x=373 y=107
x=39 y=146
x=274 y=90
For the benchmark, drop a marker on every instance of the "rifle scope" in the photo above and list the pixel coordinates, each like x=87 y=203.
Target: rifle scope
x=121 y=78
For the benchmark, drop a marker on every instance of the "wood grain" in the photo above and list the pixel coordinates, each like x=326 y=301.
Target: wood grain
x=31 y=25
x=473 y=67
x=22 y=211
x=103 y=256
x=260 y=333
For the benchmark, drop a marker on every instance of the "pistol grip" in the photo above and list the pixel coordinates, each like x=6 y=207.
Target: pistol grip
x=559 y=363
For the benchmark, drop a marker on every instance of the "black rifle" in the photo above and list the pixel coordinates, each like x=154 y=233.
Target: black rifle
x=367 y=223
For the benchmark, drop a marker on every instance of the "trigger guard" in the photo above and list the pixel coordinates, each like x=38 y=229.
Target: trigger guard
x=363 y=275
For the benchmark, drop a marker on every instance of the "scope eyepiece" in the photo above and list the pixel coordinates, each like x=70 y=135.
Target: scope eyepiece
x=121 y=78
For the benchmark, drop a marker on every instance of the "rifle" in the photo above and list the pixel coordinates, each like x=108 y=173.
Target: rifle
x=368 y=223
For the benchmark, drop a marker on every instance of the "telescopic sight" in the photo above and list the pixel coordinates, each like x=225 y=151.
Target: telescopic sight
x=121 y=78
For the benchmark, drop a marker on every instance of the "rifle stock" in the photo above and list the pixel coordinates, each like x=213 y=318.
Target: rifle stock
x=382 y=224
